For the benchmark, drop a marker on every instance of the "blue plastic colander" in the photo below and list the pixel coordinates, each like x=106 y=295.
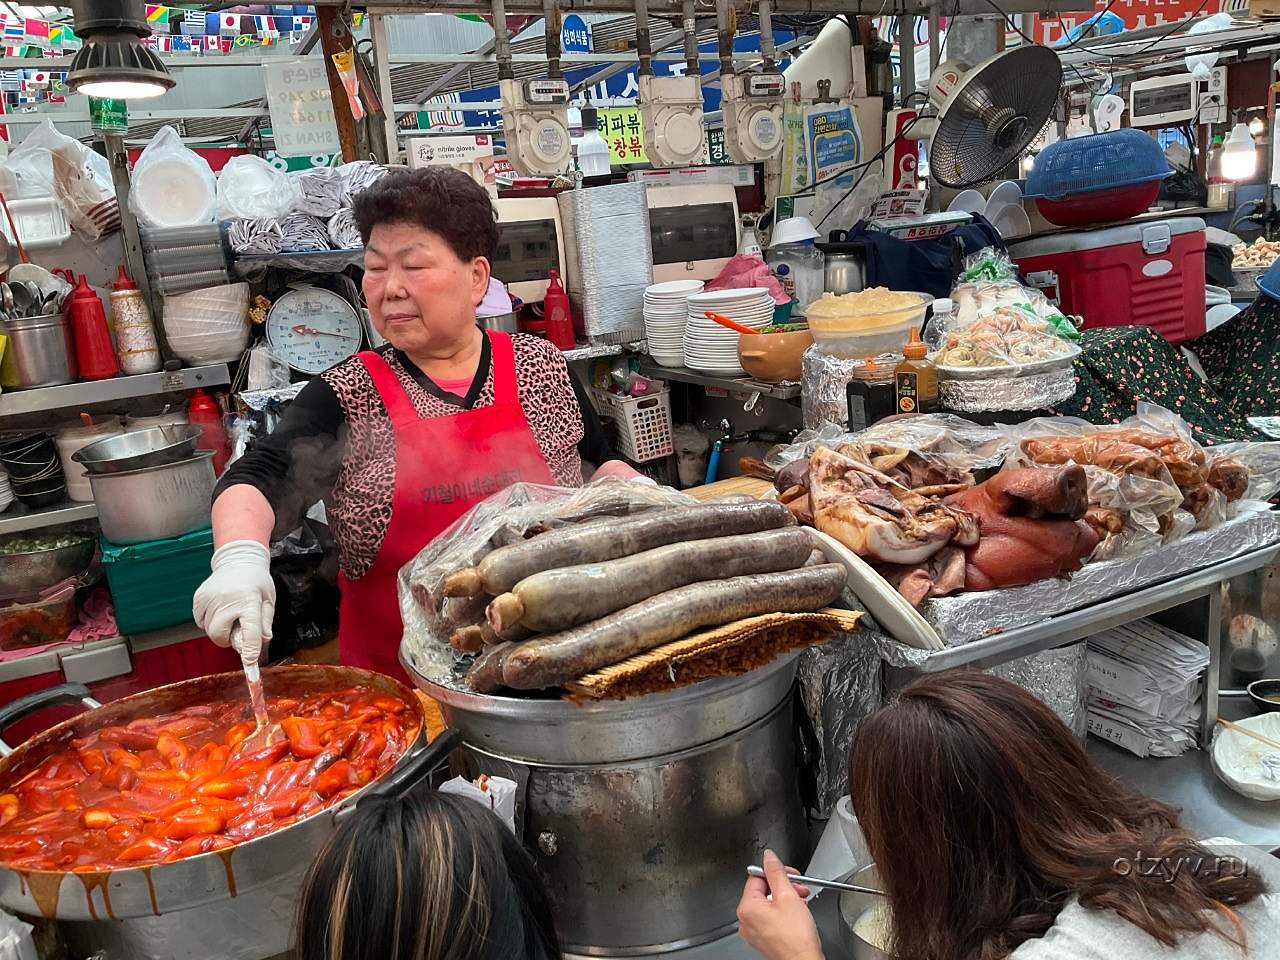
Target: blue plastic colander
x=1101 y=161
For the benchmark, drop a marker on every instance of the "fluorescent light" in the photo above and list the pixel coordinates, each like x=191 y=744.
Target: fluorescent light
x=1239 y=154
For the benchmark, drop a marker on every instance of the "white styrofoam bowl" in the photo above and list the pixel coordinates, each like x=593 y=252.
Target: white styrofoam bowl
x=1240 y=761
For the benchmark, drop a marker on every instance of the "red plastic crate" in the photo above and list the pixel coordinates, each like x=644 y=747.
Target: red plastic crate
x=1148 y=273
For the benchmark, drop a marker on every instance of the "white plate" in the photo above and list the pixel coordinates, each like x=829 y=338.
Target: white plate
x=1007 y=191
x=1011 y=220
x=674 y=288
x=736 y=295
x=1238 y=758
x=173 y=193
x=891 y=610
x=970 y=201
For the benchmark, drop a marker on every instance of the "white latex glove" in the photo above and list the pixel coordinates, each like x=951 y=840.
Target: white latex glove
x=239 y=589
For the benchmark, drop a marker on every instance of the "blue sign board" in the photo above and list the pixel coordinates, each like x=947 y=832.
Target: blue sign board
x=575 y=35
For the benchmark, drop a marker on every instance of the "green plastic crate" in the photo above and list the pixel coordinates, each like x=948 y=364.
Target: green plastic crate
x=152 y=583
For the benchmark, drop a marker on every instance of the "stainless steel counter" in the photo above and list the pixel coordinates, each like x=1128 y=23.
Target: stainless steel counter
x=1209 y=807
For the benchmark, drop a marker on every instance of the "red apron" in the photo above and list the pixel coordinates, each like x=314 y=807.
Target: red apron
x=444 y=466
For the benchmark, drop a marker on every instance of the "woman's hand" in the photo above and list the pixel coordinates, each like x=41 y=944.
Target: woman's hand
x=781 y=928
x=617 y=469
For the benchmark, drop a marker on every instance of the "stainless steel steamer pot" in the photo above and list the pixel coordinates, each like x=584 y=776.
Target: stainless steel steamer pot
x=211 y=878
x=644 y=813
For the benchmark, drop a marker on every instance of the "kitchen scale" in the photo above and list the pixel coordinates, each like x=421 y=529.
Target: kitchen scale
x=312 y=329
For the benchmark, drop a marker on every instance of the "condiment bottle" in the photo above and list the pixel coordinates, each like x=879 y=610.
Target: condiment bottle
x=915 y=378
x=203 y=411
x=870 y=394
x=559 y=319
x=135 y=334
x=95 y=357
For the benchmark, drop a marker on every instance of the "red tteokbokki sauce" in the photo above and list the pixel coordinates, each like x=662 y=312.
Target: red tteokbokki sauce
x=162 y=788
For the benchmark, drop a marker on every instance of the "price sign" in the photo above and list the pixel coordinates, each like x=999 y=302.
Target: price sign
x=623 y=129
x=301 y=111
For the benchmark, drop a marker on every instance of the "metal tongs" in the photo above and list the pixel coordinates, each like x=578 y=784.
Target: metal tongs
x=754 y=871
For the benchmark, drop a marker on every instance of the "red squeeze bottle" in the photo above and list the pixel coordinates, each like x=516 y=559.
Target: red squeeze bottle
x=95 y=356
x=203 y=411
x=559 y=319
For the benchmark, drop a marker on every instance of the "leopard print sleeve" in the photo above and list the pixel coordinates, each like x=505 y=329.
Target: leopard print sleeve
x=549 y=404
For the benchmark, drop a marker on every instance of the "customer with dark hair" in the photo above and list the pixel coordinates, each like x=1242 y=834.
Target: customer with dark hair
x=400 y=441
x=995 y=836
x=424 y=877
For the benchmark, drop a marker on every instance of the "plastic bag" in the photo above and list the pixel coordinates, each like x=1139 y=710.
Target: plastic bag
x=958 y=442
x=1151 y=469
x=15 y=938
x=495 y=794
x=506 y=517
x=49 y=163
x=1000 y=323
x=249 y=188
x=182 y=170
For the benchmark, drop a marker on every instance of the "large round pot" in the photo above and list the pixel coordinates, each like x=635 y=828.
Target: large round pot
x=250 y=871
x=155 y=503
x=658 y=802
x=136 y=449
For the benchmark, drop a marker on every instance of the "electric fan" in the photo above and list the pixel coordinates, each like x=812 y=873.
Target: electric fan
x=985 y=118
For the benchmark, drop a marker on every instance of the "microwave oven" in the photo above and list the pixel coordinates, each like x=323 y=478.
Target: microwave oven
x=693 y=229
x=530 y=246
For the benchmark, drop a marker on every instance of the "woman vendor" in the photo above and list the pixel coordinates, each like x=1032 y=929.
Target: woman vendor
x=400 y=441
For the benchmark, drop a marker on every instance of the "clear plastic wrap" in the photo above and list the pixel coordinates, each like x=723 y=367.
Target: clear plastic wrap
x=1001 y=324
x=1151 y=473
x=506 y=517
x=959 y=442
x=249 y=188
x=173 y=185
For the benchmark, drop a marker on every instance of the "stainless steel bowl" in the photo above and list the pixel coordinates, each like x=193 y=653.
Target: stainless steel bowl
x=143 y=448
x=24 y=575
x=852 y=908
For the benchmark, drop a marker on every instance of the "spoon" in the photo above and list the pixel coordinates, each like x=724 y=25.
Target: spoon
x=732 y=324
x=6 y=299
x=37 y=298
x=21 y=297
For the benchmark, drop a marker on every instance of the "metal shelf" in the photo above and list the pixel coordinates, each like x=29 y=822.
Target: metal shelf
x=19 y=518
x=1065 y=628
x=778 y=391
x=44 y=399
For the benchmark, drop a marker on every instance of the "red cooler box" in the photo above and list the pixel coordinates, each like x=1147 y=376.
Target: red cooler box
x=1147 y=273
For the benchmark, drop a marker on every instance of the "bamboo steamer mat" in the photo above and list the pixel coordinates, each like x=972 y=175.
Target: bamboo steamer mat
x=724 y=651
x=733 y=487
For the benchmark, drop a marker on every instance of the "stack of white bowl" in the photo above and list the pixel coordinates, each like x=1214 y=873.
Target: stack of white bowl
x=665 y=311
x=209 y=325
x=713 y=348
x=6 y=492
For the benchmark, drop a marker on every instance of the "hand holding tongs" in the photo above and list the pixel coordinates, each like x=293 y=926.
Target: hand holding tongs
x=754 y=871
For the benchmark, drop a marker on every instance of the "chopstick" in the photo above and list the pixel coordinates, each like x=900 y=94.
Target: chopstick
x=754 y=871
x=13 y=227
x=1237 y=728
x=729 y=322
